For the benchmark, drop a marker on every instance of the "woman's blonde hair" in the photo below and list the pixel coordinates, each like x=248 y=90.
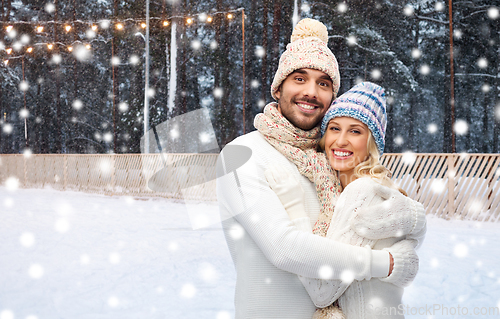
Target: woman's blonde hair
x=372 y=167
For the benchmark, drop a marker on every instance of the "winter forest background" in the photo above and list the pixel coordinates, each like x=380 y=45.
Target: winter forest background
x=74 y=80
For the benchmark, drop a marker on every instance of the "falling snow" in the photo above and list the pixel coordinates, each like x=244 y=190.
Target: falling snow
x=131 y=258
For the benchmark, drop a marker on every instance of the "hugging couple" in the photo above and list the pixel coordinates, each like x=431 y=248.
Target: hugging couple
x=315 y=226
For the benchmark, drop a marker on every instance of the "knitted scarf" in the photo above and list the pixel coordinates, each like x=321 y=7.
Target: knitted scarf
x=299 y=147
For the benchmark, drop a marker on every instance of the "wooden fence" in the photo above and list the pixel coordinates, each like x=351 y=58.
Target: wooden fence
x=449 y=185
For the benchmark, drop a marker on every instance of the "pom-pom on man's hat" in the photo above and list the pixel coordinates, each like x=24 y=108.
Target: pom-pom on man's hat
x=307 y=50
x=366 y=103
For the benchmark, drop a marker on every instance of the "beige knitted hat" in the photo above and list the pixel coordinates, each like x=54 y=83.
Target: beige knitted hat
x=307 y=50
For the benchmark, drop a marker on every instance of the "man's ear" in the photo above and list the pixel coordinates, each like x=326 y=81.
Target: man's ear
x=278 y=93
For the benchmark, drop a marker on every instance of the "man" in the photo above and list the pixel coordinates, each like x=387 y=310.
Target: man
x=267 y=250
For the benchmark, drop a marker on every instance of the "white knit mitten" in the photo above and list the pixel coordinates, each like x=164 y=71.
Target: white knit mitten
x=396 y=216
x=288 y=190
x=330 y=312
x=405 y=263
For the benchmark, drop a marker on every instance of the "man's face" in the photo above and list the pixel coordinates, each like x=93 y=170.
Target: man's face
x=304 y=97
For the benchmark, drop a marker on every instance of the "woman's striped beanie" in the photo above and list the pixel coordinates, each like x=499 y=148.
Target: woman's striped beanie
x=364 y=102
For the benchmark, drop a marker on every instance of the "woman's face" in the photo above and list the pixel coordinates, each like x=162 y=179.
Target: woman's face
x=346 y=144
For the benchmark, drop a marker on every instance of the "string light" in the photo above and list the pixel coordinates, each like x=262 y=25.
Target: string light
x=209 y=19
x=9 y=28
x=229 y=15
x=70 y=49
x=189 y=20
x=50 y=46
x=9 y=50
x=94 y=27
x=119 y=26
x=88 y=46
x=68 y=28
x=29 y=50
x=165 y=23
x=39 y=29
x=6 y=62
x=143 y=25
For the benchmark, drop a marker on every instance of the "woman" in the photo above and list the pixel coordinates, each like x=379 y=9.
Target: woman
x=353 y=133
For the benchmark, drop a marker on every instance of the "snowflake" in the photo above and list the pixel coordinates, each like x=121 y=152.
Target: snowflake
x=260 y=52
x=376 y=74
x=439 y=6
x=254 y=84
x=305 y=7
x=461 y=127
x=27 y=153
x=261 y=104
x=196 y=44
x=105 y=24
x=347 y=276
x=7 y=128
x=457 y=34
x=493 y=13
x=56 y=59
x=115 y=60
x=24 y=113
x=351 y=40
x=218 y=93
x=408 y=10
x=416 y=53
x=485 y=88
x=62 y=225
x=399 y=140
x=325 y=272
x=482 y=63
x=50 y=7
x=208 y=273
x=27 y=239
x=214 y=45
x=425 y=69
x=113 y=302
x=432 y=128
x=342 y=7
x=36 y=271
x=461 y=250
x=25 y=39
x=123 y=106
x=90 y=34
x=409 y=157
x=188 y=291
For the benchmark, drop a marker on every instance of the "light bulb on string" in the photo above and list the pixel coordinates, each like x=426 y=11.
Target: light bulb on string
x=50 y=46
x=94 y=28
x=119 y=26
x=70 y=49
x=143 y=25
x=229 y=16
x=67 y=28
x=9 y=50
x=189 y=20
x=87 y=46
x=9 y=28
x=39 y=29
x=210 y=19
x=6 y=62
x=29 y=50
x=165 y=23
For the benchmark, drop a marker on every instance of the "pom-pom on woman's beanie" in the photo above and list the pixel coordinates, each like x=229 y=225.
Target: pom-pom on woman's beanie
x=307 y=50
x=366 y=103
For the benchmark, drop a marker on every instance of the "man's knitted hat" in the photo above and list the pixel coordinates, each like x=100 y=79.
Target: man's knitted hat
x=366 y=103
x=308 y=49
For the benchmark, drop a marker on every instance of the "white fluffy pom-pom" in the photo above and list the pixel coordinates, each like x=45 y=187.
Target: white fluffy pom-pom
x=310 y=28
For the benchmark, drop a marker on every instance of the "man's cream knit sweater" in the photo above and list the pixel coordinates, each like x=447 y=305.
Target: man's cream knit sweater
x=267 y=248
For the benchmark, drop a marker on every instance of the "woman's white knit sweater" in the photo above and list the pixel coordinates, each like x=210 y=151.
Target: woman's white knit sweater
x=267 y=248
x=367 y=299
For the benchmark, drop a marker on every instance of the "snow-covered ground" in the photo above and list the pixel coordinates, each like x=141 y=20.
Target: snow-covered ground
x=82 y=256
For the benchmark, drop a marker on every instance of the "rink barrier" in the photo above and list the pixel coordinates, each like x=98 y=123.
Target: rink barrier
x=450 y=186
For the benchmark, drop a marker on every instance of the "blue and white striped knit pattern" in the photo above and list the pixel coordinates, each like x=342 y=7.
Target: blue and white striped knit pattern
x=366 y=103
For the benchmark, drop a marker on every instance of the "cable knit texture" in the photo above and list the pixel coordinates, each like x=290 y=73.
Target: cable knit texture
x=268 y=251
x=359 y=299
x=298 y=146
